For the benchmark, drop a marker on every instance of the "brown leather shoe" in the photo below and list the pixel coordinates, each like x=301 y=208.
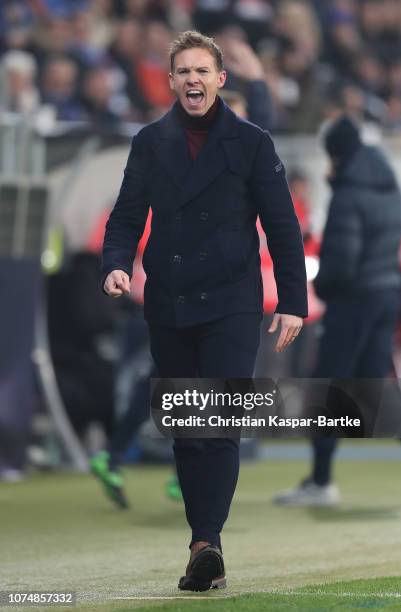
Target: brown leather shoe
x=205 y=571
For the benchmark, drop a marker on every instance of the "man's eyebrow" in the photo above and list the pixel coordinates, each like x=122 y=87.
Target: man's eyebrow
x=196 y=67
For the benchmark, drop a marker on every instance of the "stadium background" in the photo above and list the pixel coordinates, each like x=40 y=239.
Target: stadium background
x=77 y=79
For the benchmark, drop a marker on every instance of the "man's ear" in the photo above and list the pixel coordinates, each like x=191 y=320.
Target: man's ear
x=222 y=79
x=171 y=80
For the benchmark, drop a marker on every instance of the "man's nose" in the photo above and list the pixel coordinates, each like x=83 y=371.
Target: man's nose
x=193 y=78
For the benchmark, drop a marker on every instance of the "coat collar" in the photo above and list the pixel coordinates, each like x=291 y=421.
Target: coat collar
x=224 y=126
x=193 y=176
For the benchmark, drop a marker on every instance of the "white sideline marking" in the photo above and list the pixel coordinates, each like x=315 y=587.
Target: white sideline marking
x=334 y=593
x=198 y=597
x=345 y=594
x=285 y=593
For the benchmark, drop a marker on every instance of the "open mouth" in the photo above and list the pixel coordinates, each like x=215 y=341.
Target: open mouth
x=194 y=97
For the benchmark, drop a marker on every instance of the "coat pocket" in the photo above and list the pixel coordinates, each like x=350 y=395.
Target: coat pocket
x=233 y=254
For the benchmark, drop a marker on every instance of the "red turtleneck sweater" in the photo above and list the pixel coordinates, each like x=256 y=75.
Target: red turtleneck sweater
x=196 y=128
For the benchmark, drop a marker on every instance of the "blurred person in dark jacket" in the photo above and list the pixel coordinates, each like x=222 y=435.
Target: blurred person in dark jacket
x=81 y=321
x=359 y=279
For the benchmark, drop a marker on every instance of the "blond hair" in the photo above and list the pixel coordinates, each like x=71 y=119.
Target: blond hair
x=195 y=40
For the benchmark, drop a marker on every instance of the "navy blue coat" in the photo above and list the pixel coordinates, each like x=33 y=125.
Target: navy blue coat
x=202 y=258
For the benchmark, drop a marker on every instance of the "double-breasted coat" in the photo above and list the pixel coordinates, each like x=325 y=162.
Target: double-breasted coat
x=202 y=257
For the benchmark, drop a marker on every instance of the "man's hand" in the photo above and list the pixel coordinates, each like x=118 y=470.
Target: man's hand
x=117 y=283
x=242 y=61
x=290 y=328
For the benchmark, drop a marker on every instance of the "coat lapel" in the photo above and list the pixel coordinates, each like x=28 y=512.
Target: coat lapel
x=193 y=176
x=172 y=150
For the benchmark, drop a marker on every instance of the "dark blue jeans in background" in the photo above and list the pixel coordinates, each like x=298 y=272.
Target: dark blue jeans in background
x=357 y=342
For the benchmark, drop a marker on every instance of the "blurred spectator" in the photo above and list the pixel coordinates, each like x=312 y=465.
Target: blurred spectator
x=15 y=14
x=211 y=16
x=254 y=18
x=59 y=88
x=356 y=103
x=369 y=74
x=103 y=19
x=84 y=47
x=145 y=9
x=16 y=24
x=19 y=93
x=380 y=22
x=246 y=75
x=302 y=49
x=60 y=8
x=54 y=36
x=300 y=38
x=353 y=101
x=344 y=40
x=393 y=118
x=394 y=78
x=125 y=52
x=296 y=22
x=103 y=108
x=152 y=68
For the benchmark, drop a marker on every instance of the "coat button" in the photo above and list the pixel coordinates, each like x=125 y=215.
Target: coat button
x=204 y=216
x=202 y=256
x=178 y=217
x=177 y=259
x=203 y=296
x=181 y=299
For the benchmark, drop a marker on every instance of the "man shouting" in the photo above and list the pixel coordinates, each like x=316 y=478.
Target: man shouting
x=207 y=175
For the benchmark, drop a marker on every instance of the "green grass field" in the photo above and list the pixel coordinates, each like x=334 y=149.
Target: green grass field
x=57 y=532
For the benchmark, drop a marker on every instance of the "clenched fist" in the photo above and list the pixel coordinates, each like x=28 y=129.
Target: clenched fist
x=117 y=283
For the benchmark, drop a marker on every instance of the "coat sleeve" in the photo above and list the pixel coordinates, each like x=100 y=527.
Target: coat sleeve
x=261 y=109
x=341 y=247
x=128 y=217
x=271 y=196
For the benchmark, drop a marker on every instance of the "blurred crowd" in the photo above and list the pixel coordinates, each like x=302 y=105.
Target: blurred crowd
x=105 y=61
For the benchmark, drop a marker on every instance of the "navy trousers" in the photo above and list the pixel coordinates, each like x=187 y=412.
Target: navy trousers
x=207 y=469
x=356 y=343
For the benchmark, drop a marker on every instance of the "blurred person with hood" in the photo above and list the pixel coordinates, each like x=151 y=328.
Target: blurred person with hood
x=359 y=279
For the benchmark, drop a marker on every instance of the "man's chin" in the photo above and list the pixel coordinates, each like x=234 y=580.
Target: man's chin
x=194 y=111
